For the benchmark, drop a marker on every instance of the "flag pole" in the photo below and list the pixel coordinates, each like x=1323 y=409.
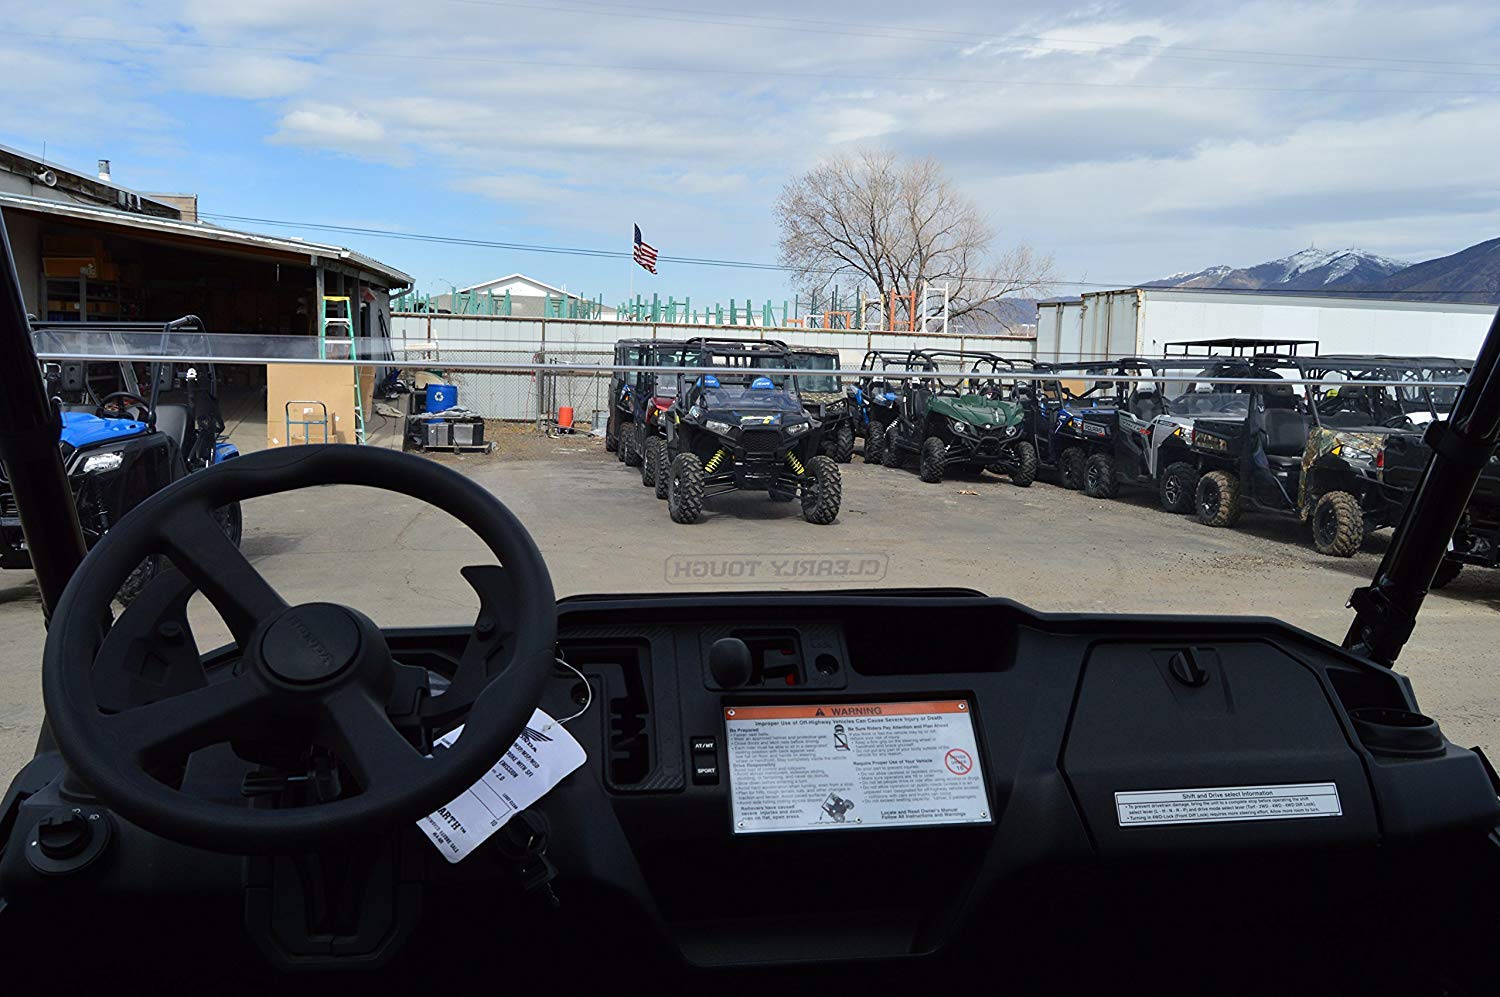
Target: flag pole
x=631 y=264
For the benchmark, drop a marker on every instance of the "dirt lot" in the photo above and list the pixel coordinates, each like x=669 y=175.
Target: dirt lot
x=601 y=531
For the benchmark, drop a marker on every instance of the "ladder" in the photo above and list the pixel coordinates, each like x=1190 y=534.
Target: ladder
x=337 y=320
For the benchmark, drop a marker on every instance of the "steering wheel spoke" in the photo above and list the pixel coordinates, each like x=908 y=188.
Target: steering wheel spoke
x=376 y=752
x=180 y=724
x=199 y=548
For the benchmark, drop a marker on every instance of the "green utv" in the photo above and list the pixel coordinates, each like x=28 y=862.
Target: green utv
x=824 y=398
x=967 y=425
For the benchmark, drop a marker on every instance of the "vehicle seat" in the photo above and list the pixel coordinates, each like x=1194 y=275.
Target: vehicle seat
x=1146 y=405
x=1286 y=432
x=172 y=419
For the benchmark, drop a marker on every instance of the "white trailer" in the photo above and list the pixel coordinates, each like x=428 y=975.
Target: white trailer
x=1146 y=321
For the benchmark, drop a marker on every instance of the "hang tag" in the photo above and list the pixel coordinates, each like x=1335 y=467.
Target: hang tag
x=543 y=754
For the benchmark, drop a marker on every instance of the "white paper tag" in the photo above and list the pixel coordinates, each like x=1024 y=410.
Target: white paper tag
x=543 y=754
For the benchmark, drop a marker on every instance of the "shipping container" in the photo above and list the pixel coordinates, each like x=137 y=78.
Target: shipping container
x=1148 y=321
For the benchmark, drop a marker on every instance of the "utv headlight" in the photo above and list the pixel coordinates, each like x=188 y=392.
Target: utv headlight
x=798 y=428
x=961 y=427
x=715 y=426
x=1011 y=431
x=832 y=407
x=101 y=463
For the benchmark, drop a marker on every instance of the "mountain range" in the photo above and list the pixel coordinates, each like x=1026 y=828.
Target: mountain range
x=1469 y=276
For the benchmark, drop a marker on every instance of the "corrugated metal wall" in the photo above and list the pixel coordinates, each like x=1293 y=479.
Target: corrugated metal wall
x=453 y=339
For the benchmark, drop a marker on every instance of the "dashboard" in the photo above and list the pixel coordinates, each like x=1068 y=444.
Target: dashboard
x=1149 y=788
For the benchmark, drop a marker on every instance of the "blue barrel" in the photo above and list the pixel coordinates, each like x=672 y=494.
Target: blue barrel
x=441 y=397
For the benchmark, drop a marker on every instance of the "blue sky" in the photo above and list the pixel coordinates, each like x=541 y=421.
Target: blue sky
x=1130 y=140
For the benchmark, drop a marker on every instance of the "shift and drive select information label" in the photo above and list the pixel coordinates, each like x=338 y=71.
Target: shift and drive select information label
x=826 y=767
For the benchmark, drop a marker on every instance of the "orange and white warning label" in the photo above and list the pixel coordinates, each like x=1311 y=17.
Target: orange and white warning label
x=832 y=766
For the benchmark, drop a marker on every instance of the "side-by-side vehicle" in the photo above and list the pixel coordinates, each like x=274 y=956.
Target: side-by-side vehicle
x=825 y=791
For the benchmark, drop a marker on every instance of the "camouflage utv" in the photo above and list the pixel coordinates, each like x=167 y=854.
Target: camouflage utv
x=1367 y=447
x=825 y=400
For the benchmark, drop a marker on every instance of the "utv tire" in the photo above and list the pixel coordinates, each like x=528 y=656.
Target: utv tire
x=1218 y=499
x=843 y=443
x=1071 y=467
x=619 y=446
x=648 y=461
x=1179 y=487
x=1448 y=570
x=611 y=437
x=1338 y=524
x=1099 y=479
x=230 y=519
x=821 y=496
x=632 y=454
x=1023 y=468
x=875 y=443
x=930 y=466
x=685 y=489
x=135 y=583
x=663 y=469
x=890 y=454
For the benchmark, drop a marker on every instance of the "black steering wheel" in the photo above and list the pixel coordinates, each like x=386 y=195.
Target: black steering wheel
x=315 y=674
x=122 y=400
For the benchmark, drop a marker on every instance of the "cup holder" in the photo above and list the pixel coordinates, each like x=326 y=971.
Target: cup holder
x=1398 y=733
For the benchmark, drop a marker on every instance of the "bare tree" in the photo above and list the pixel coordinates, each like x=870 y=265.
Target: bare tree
x=879 y=223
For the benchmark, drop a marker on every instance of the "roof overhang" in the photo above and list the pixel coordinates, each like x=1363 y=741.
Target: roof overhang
x=213 y=239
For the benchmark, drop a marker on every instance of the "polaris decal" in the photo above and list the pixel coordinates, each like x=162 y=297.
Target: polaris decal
x=1094 y=428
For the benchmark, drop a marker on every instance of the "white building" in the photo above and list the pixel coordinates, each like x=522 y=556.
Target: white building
x=528 y=298
x=1148 y=321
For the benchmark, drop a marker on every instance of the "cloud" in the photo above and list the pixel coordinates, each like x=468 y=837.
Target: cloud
x=1133 y=138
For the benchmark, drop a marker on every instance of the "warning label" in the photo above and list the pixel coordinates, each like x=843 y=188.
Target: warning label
x=1228 y=803
x=832 y=766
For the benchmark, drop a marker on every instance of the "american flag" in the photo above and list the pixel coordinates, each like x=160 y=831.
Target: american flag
x=645 y=253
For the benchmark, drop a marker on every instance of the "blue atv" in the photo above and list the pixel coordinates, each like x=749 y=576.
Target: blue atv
x=119 y=448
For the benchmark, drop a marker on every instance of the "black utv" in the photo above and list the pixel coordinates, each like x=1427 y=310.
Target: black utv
x=876 y=397
x=619 y=434
x=824 y=398
x=960 y=422
x=734 y=431
x=651 y=398
x=1249 y=450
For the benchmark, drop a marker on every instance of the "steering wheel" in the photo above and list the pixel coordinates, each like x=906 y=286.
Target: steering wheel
x=314 y=674
x=1402 y=421
x=119 y=401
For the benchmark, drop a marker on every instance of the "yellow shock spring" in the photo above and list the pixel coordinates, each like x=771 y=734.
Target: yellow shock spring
x=791 y=459
x=715 y=461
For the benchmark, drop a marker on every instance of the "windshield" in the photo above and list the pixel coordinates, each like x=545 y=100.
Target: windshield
x=739 y=397
x=816 y=361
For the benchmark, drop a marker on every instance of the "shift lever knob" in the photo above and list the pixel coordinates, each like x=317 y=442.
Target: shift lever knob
x=729 y=662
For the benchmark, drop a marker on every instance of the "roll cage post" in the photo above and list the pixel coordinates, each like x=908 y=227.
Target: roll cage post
x=30 y=430
x=1385 y=611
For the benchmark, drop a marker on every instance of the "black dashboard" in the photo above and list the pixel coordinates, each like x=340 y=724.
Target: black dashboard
x=1080 y=724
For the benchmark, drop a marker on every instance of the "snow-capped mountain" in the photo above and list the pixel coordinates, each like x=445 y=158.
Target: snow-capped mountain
x=1308 y=270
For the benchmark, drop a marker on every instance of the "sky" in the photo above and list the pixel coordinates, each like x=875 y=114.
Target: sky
x=1130 y=140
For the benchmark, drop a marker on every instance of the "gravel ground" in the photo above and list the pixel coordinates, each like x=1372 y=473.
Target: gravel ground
x=600 y=530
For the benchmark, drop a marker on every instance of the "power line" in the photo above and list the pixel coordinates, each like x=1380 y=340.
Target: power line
x=699 y=261
x=117 y=42
x=945 y=37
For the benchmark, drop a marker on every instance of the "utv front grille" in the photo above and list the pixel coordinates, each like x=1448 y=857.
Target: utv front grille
x=760 y=441
x=7 y=505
